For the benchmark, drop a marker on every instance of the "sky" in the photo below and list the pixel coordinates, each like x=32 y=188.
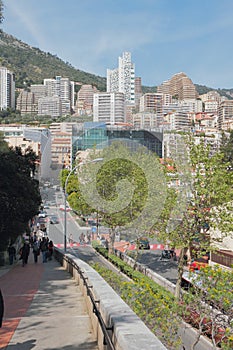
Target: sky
x=164 y=37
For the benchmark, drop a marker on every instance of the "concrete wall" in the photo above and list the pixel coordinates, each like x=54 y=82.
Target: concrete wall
x=128 y=332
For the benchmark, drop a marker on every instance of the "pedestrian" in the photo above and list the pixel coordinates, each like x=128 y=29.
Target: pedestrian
x=81 y=238
x=11 y=253
x=36 y=250
x=50 y=250
x=44 y=249
x=1 y=308
x=70 y=238
x=24 y=252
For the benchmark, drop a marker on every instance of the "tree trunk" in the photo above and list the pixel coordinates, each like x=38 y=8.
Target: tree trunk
x=136 y=254
x=180 y=273
x=111 y=241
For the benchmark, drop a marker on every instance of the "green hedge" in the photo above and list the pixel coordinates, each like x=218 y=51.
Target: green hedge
x=156 y=308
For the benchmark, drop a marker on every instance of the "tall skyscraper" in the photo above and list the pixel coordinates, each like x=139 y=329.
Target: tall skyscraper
x=122 y=79
x=7 y=89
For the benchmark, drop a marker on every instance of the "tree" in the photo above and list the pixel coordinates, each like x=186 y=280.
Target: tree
x=3 y=143
x=202 y=204
x=227 y=148
x=128 y=188
x=19 y=195
x=74 y=194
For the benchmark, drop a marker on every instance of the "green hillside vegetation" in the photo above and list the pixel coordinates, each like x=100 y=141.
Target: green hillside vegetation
x=31 y=66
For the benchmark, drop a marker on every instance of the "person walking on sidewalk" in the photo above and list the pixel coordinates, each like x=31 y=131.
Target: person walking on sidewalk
x=12 y=253
x=44 y=249
x=1 y=308
x=24 y=252
x=36 y=250
x=50 y=250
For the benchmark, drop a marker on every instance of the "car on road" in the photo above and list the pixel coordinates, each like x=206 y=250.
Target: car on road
x=143 y=243
x=62 y=208
x=54 y=219
x=42 y=214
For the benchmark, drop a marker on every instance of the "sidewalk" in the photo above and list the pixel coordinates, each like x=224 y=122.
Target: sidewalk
x=44 y=309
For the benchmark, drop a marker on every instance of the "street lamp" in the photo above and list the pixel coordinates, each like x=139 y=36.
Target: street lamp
x=65 y=194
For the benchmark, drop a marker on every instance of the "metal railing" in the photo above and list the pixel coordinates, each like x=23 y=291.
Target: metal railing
x=107 y=338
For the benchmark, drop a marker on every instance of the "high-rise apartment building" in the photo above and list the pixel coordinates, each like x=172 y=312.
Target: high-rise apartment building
x=225 y=114
x=109 y=107
x=63 y=88
x=122 y=79
x=61 y=143
x=26 y=103
x=152 y=102
x=84 y=103
x=7 y=89
x=52 y=90
x=138 y=90
x=38 y=90
x=50 y=106
x=179 y=86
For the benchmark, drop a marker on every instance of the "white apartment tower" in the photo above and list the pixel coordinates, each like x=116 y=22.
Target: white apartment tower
x=7 y=89
x=122 y=79
x=63 y=88
x=109 y=107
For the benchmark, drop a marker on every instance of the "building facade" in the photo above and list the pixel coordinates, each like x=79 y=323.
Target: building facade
x=26 y=103
x=109 y=107
x=179 y=86
x=122 y=79
x=50 y=106
x=100 y=135
x=225 y=113
x=84 y=103
x=7 y=89
x=38 y=139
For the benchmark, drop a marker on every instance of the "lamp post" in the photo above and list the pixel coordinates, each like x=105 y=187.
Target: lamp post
x=65 y=195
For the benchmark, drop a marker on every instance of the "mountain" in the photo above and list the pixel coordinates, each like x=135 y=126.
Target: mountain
x=31 y=66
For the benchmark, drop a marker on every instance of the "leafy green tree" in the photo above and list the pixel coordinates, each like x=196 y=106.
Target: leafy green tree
x=3 y=143
x=128 y=188
x=74 y=194
x=19 y=195
x=227 y=148
x=202 y=205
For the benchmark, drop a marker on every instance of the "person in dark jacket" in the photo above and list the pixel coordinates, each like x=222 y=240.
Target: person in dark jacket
x=1 y=308
x=24 y=252
x=11 y=253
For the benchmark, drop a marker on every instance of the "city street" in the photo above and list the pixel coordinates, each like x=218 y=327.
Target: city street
x=149 y=258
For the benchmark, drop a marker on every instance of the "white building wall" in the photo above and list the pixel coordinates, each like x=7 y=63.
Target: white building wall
x=50 y=106
x=109 y=107
x=7 y=89
x=122 y=79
